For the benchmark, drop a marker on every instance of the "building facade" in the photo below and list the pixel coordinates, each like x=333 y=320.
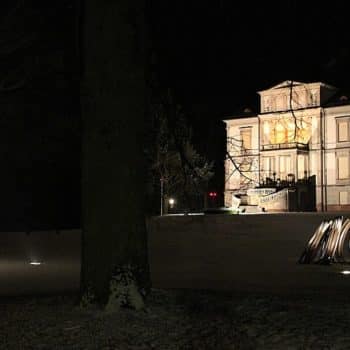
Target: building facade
x=302 y=130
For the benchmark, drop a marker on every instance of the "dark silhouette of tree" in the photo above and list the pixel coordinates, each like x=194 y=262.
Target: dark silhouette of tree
x=39 y=116
x=113 y=95
x=175 y=164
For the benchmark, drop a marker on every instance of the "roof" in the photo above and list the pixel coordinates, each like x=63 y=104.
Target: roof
x=341 y=98
x=244 y=111
x=242 y=116
x=291 y=83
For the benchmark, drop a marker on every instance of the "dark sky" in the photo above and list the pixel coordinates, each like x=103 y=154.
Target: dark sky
x=214 y=55
x=217 y=54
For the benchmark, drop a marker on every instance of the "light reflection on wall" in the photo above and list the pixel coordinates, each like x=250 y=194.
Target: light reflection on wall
x=283 y=131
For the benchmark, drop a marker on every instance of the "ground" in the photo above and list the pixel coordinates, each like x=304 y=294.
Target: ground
x=178 y=319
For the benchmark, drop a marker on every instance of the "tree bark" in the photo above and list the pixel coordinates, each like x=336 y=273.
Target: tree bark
x=113 y=100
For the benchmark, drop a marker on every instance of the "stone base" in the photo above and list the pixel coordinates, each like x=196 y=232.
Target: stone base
x=250 y=209
x=335 y=207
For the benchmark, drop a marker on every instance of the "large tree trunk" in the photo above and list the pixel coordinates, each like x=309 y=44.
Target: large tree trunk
x=115 y=269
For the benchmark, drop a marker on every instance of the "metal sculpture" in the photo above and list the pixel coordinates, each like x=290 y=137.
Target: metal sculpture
x=329 y=244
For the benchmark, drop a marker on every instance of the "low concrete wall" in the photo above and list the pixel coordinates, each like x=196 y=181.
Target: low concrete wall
x=58 y=253
x=240 y=252
x=236 y=252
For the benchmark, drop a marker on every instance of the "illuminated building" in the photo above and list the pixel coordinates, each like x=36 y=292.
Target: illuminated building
x=303 y=129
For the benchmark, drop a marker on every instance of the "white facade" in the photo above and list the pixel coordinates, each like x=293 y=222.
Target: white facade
x=303 y=129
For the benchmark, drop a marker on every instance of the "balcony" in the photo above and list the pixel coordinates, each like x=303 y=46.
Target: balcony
x=289 y=145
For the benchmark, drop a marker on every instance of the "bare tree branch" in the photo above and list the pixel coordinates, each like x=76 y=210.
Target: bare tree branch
x=242 y=160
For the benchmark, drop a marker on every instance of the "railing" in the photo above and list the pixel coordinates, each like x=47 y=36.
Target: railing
x=288 y=145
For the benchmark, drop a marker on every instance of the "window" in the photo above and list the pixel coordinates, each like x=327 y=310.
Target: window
x=343 y=197
x=267 y=133
x=266 y=104
x=294 y=100
x=281 y=102
x=280 y=133
x=291 y=131
x=313 y=98
x=343 y=130
x=246 y=138
x=285 y=166
x=343 y=167
x=302 y=166
x=269 y=166
x=269 y=104
x=246 y=170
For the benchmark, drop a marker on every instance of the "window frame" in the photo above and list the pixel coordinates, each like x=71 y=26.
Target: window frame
x=313 y=98
x=271 y=165
x=246 y=129
x=286 y=171
x=339 y=120
x=340 y=195
x=338 y=156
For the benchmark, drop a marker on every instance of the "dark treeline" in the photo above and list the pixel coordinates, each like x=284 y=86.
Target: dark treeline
x=39 y=115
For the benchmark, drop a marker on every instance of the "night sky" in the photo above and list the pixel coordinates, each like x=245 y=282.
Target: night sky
x=217 y=54
x=220 y=53
x=213 y=55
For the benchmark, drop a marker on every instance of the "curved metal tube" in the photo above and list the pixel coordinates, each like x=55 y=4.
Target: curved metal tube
x=327 y=244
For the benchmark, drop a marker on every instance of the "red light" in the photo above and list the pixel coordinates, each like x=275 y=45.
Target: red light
x=212 y=194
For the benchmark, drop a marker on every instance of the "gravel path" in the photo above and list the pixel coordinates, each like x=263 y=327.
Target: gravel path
x=178 y=319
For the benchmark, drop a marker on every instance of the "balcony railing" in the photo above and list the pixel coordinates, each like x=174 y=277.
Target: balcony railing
x=288 y=145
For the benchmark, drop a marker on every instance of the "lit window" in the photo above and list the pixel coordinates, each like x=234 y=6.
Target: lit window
x=343 y=167
x=280 y=133
x=268 y=133
x=266 y=128
x=291 y=131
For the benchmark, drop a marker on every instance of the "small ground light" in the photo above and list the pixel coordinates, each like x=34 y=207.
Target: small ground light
x=35 y=263
x=171 y=202
x=345 y=272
